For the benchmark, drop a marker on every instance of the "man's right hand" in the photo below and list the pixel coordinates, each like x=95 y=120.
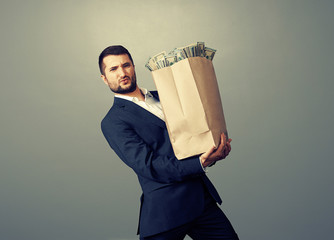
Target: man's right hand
x=215 y=154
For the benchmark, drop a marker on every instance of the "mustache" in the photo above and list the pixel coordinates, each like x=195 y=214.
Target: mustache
x=124 y=78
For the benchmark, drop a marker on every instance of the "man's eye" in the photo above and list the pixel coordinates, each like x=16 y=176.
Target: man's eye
x=112 y=69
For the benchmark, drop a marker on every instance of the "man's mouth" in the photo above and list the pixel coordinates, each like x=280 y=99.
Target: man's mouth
x=124 y=80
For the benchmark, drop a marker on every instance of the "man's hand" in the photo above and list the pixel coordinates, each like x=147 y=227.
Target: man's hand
x=215 y=154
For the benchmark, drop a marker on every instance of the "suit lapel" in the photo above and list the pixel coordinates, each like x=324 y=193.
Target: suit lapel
x=138 y=112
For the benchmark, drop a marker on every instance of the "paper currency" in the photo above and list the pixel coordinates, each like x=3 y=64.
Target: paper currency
x=178 y=53
x=159 y=56
x=201 y=49
x=151 y=65
x=209 y=53
x=162 y=59
x=170 y=60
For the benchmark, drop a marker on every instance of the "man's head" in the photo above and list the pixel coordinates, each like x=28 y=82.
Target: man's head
x=112 y=50
x=117 y=69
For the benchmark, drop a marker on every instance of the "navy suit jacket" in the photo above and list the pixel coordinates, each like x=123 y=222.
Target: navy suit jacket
x=173 y=190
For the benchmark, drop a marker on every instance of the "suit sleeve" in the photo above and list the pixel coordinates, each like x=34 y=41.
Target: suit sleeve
x=134 y=152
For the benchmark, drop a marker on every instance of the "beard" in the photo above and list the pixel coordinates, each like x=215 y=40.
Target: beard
x=127 y=89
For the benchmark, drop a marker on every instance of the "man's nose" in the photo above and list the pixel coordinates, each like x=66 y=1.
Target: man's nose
x=122 y=72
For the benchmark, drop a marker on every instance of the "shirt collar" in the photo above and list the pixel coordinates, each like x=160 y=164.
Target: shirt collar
x=144 y=91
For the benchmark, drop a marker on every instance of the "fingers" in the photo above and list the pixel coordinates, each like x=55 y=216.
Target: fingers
x=205 y=157
x=223 y=139
x=227 y=150
x=208 y=153
x=228 y=146
x=222 y=143
x=215 y=154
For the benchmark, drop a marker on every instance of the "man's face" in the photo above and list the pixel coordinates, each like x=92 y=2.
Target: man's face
x=119 y=73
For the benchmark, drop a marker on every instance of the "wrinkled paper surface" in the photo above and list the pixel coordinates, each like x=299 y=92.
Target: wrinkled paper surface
x=191 y=102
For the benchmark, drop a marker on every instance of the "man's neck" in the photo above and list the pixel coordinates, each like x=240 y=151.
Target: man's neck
x=136 y=93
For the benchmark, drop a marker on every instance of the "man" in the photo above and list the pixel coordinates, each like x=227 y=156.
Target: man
x=178 y=199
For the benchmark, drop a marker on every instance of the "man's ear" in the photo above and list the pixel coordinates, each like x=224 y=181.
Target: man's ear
x=104 y=79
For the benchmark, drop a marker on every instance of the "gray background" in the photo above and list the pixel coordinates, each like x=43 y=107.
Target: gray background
x=59 y=180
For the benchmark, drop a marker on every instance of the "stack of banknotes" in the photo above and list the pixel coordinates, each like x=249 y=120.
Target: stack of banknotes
x=163 y=59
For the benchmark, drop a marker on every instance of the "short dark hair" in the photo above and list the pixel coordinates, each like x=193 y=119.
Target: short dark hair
x=112 y=50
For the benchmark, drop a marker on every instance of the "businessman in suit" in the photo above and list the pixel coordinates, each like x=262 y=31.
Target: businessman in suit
x=178 y=198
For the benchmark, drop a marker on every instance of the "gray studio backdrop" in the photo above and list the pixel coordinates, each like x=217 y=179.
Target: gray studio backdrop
x=59 y=180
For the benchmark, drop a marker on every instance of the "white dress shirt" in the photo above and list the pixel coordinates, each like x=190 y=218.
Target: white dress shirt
x=150 y=104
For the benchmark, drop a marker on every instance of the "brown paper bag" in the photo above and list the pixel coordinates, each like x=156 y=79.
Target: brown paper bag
x=190 y=99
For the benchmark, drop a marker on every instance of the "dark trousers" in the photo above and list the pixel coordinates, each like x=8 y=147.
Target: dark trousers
x=212 y=224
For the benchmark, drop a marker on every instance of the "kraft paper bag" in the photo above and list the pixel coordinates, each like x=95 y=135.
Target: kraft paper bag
x=191 y=102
